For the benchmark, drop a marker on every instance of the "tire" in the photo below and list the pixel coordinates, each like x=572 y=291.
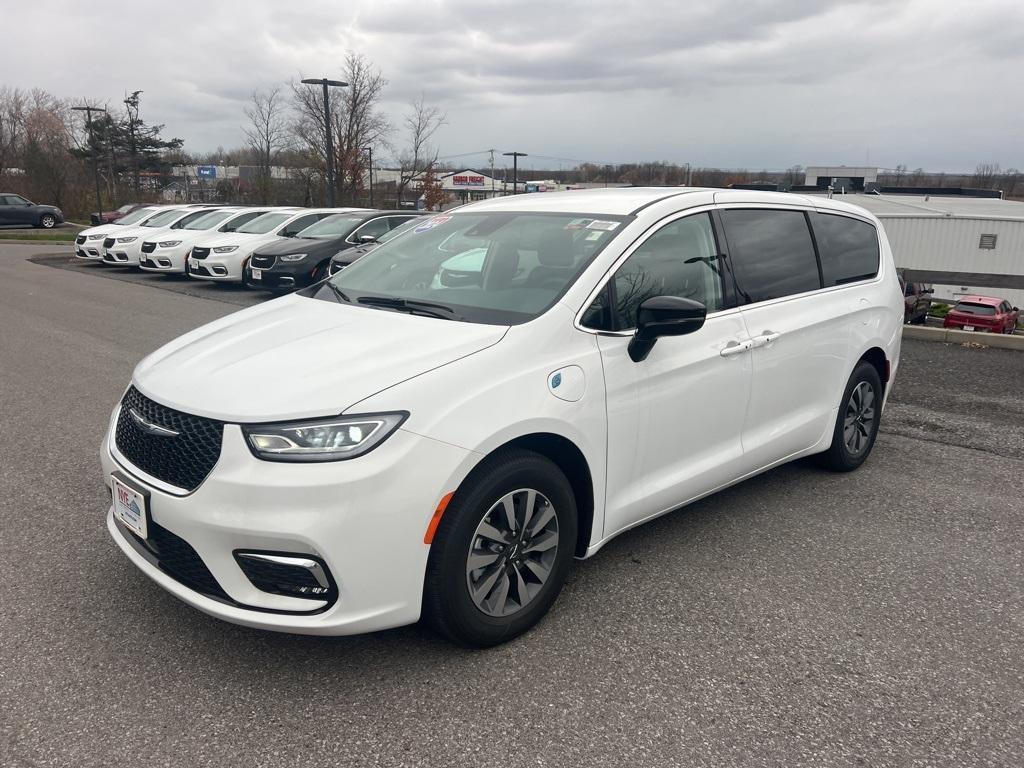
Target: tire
x=518 y=578
x=47 y=221
x=851 y=447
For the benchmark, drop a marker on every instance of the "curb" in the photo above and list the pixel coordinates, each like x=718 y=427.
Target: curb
x=950 y=336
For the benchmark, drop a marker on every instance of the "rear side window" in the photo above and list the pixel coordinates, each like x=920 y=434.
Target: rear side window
x=848 y=248
x=772 y=253
x=969 y=308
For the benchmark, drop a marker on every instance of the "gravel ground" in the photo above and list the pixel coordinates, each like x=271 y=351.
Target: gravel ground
x=798 y=619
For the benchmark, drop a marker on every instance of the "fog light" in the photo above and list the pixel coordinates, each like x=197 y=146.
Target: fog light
x=301 y=576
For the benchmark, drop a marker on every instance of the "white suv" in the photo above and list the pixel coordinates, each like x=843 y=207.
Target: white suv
x=170 y=254
x=124 y=248
x=223 y=257
x=405 y=437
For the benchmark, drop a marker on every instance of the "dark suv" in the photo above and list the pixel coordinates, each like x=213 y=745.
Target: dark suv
x=916 y=302
x=16 y=210
x=305 y=259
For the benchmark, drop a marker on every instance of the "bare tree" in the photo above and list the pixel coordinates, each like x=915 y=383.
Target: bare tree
x=12 y=124
x=421 y=123
x=985 y=175
x=267 y=135
x=356 y=120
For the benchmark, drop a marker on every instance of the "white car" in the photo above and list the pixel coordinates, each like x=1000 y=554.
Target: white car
x=168 y=252
x=380 y=444
x=223 y=257
x=124 y=248
x=89 y=242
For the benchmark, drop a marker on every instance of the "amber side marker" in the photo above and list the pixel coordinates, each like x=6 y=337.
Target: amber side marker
x=435 y=521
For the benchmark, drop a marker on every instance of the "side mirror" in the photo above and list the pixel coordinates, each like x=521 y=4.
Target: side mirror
x=664 y=316
x=367 y=239
x=1016 y=309
x=928 y=290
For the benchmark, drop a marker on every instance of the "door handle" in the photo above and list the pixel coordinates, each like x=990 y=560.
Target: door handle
x=735 y=348
x=766 y=338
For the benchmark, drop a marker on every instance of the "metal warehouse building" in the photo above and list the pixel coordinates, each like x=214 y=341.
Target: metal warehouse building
x=961 y=245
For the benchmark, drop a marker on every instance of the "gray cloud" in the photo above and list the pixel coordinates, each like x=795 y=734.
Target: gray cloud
x=766 y=83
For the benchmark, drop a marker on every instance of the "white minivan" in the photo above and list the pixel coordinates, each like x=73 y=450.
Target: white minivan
x=407 y=439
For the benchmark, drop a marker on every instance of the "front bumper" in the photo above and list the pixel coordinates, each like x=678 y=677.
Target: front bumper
x=282 y=277
x=90 y=250
x=216 y=267
x=123 y=254
x=363 y=518
x=165 y=259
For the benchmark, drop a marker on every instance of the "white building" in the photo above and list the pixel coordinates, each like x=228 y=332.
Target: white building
x=961 y=245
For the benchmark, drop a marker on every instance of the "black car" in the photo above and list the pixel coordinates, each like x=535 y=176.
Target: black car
x=342 y=259
x=305 y=259
x=16 y=210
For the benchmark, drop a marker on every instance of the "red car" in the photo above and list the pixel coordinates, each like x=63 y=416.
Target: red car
x=983 y=313
x=107 y=217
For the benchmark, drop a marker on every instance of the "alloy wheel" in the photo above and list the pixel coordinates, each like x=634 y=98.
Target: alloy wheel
x=512 y=552
x=859 y=418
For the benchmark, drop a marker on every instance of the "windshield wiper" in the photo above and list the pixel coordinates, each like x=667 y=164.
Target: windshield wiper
x=338 y=292
x=411 y=305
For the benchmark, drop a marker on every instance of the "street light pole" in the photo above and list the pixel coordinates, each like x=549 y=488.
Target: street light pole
x=369 y=152
x=332 y=193
x=95 y=165
x=515 y=168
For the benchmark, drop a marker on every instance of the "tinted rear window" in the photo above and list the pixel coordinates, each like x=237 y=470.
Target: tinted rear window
x=772 y=253
x=848 y=248
x=968 y=308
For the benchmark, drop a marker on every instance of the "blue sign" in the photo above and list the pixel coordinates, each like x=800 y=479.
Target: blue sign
x=207 y=171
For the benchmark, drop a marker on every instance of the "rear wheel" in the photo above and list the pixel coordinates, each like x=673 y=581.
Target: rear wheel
x=47 y=221
x=503 y=550
x=860 y=413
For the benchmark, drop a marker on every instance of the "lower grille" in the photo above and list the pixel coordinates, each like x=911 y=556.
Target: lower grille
x=200 y=253
x=177 y=559
x=283 y=578
x=183 y=459
x=108 y=242
x=148 y=247
x=262 y=262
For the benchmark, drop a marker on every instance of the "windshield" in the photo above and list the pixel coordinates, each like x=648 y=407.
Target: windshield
x=135 y=216
x=209 y=220
x=504 y=268
x=399 y=230
x=968 y=308
x=332 y=226
x=263 y=224
x=162 y=218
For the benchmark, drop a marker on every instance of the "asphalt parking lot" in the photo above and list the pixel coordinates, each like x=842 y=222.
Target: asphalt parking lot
x=799 y=619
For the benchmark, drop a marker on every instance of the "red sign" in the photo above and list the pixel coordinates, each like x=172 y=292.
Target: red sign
x=468 y=181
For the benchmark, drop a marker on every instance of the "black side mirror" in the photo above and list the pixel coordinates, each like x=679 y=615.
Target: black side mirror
x=1016 y=309
x=664 y=316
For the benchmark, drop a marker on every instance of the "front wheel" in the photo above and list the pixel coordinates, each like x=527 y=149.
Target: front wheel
x=47 y=221
x=502 y=551
x=860 y=413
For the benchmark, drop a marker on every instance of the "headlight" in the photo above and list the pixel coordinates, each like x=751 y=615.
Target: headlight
x=225 y=248
x=127 y=239
x=168 y=243
x=344 y=437
x=293 y=257
x=97 y=237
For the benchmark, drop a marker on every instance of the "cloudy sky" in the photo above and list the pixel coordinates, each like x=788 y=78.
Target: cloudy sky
x=730 y=83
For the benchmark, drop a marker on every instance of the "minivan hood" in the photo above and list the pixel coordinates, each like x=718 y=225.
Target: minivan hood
x=215 y=239
x=297 y=357
x=315 y=246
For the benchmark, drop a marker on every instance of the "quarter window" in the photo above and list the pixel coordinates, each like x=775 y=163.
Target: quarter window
x=680 y=259
x=772 y=253
x=848 y=248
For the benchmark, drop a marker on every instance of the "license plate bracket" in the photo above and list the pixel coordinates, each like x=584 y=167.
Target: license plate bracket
x=131 y=504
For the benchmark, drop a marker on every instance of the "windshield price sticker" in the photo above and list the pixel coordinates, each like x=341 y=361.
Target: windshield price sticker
x=605 y=226
x=434 y=222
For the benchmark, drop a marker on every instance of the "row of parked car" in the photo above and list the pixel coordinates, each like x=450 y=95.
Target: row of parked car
x=272 y=248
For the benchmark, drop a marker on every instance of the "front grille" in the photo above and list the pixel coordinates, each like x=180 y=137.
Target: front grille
x=175 y=557
x=183 y=460
x=200 y=253
x=262 y=262
x=148 y=247
x=108 y=242
x=80 y=240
